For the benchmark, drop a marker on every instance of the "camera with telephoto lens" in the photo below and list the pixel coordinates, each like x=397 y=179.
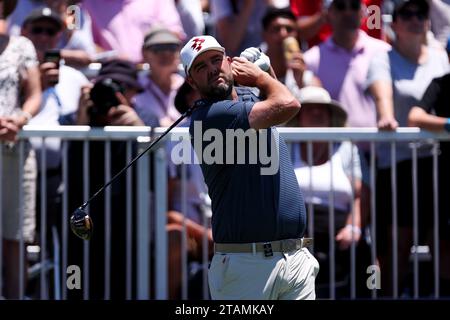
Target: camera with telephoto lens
x=103 y=96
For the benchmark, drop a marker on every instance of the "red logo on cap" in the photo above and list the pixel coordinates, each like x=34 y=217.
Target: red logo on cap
x=197 y=43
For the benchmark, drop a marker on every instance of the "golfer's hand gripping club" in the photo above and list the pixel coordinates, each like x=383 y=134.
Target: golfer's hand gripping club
x=256 y=56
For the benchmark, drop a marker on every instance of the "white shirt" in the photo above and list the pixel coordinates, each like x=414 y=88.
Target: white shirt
x=315 y=182
x=409 y=82
x=56 y=101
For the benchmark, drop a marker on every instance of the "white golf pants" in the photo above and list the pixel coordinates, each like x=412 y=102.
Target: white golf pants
x=252 y=276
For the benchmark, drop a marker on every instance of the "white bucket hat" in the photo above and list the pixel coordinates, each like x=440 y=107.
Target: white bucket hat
x=319 y=96
x=195 y=46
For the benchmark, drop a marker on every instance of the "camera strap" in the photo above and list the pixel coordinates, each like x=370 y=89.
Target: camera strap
x=51 y=92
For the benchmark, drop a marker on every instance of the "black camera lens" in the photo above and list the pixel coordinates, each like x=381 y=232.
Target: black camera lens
x=103 y=96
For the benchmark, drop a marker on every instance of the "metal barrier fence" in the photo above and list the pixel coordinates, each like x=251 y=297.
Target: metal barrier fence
x=146 y=261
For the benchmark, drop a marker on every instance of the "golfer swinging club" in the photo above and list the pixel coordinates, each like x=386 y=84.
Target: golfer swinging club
x=258 y=219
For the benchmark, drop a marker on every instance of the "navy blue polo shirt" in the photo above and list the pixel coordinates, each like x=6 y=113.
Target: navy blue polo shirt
x=247 y=206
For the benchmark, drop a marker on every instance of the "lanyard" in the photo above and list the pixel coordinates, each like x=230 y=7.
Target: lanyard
x=52 y=92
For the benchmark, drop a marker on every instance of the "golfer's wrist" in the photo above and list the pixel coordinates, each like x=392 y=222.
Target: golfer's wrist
x=262 y=80
x=447 y=125
x=266 y=84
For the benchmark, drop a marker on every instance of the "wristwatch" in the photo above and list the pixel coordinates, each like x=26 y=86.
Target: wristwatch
x=447 y=125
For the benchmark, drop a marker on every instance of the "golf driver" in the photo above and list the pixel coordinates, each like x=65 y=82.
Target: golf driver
x=80 y=222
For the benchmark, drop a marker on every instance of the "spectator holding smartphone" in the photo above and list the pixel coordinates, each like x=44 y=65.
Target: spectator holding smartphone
x=280 y=33
x=76 y=42
x=61 y=87
x=61 y=84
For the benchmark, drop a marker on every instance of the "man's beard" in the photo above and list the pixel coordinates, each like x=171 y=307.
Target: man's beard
x=220 y=92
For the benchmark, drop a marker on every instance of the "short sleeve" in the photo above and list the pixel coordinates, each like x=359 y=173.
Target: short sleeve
x=229 y=115
x=220 y=9
x=82 y=39
x=431 y=96
x=379 y=69
x=345 y=151
x=28 y=57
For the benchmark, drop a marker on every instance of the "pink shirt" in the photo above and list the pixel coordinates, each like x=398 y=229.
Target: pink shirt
x=343 y=73
x=122 y=24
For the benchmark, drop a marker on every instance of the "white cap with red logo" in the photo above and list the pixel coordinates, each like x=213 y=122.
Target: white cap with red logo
x=195 y=47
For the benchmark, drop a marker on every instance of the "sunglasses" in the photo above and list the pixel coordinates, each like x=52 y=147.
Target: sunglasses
x=40 y=30
x=342 y=5
x=157 y=48
x=407 y=15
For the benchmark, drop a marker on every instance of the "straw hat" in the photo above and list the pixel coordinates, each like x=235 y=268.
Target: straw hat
x=309 y=96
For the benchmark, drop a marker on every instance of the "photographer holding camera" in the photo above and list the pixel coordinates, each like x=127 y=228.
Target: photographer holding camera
x=61 y=86
x=109 y=100
x=106 y=102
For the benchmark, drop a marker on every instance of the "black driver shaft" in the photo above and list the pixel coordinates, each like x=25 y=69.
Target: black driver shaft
x=184 y=115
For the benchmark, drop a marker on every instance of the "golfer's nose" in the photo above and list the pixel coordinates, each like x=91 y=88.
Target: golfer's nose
x=213 y=71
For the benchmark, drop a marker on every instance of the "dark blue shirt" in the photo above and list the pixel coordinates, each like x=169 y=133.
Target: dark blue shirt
x=247 y=206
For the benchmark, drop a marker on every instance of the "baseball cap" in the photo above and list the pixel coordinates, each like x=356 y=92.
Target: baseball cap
x=121 y=71
x=400 y=5
x=44 y=13
x=160 y=35
x=310 y=95
x=196 y=46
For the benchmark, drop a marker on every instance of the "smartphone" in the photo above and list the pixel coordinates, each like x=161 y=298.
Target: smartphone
x=53 y=56
x=290 y=46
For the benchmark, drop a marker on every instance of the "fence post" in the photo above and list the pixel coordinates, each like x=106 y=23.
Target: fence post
x=143 y=226
x=160 y=223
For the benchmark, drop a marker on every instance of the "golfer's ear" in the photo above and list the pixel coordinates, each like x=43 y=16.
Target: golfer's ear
x=191 y=82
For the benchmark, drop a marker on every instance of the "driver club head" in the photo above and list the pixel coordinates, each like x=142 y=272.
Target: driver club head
x=81 y=224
